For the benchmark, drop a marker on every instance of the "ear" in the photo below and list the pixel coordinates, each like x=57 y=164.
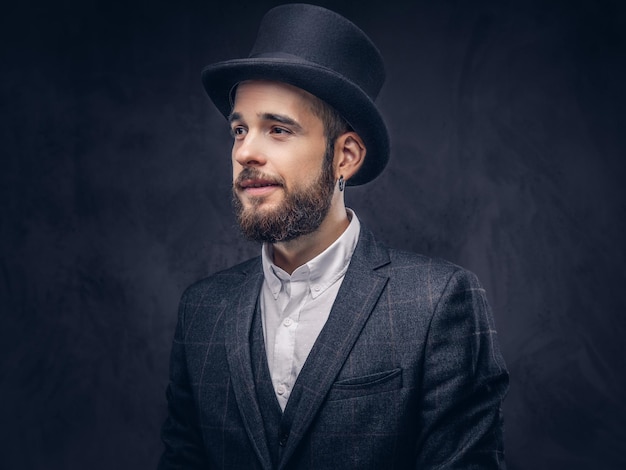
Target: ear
x=349 y=155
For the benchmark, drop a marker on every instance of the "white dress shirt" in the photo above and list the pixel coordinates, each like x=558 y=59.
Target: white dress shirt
x=295 y=308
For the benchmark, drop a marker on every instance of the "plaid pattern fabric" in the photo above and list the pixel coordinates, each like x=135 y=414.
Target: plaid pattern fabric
x=406 y=373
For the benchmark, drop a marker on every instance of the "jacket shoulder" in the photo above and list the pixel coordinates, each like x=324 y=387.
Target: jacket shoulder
x=410 y=269
x=411 y=261
x=224 y=280
x=416 y=269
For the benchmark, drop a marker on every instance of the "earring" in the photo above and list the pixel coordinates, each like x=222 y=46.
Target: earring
x=342 y=183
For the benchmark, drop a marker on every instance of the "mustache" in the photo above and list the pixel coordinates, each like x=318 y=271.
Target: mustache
x=249 y=173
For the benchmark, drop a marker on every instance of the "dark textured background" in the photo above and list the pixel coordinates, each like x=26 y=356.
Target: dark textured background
x=508 y=127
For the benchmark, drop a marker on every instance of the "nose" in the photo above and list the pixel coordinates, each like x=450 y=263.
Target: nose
x=248 y=151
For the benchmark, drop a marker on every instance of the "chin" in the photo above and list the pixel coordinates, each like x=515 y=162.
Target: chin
x=263 y=203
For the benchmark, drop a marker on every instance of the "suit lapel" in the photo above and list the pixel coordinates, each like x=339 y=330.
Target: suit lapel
x=237 y=340
x=359 y=292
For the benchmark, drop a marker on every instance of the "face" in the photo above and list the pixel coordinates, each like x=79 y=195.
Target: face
x=283 y=179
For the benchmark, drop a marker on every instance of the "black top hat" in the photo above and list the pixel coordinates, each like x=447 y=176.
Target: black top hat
x=323 y=53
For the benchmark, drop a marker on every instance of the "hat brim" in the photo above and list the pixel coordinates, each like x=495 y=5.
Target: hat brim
x=348 y=99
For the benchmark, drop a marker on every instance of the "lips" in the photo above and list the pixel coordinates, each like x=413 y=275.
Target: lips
x=258 y=187
x=257 y=183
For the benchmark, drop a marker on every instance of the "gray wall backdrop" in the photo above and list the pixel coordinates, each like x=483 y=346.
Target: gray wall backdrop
x=508 y=127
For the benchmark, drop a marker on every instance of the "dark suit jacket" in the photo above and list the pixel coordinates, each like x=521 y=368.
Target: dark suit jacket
x=406 y=373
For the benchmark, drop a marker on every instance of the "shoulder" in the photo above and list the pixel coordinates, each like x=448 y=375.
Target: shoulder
x=208 y=297
x=222 y=282
x=410 y=270
x=451 y=297
x=422 y=268
x=416 y=277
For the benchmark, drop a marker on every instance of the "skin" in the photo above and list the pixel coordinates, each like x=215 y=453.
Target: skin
x=276 y=132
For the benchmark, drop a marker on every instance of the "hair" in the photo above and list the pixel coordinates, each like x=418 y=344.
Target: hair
x=334 y=123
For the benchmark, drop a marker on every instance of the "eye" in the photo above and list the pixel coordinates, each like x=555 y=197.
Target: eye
x=280 y=130
x=238 y=131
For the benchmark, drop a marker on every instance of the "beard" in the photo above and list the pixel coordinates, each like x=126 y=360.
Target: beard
x=301 y=211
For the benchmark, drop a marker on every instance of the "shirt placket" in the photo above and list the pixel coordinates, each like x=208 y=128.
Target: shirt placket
x=285 y=340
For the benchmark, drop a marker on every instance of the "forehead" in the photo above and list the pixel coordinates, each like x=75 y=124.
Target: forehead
x=268 y=96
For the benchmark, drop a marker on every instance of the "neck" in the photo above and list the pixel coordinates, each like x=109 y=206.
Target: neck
x=294 y=253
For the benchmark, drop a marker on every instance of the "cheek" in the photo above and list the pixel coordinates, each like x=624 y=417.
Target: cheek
x=306 y=159
x=236 y=171
x=232 y=156
x=236 y=167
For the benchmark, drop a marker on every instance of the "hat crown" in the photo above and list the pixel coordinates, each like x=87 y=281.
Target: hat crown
x=319 y=36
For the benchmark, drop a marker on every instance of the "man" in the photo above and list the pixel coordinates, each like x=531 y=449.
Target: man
x=330 y=350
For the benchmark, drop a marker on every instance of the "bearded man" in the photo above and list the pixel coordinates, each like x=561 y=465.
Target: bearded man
x=330 y=350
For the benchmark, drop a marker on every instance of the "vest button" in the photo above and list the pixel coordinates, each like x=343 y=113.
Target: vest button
x=282 y=441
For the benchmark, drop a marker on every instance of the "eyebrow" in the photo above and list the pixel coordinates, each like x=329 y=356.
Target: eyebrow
x=234 y=117
x=281 y=118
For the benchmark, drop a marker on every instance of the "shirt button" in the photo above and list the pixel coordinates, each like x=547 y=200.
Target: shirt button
x=288 y=322
x=317 y=288
x=280 y=389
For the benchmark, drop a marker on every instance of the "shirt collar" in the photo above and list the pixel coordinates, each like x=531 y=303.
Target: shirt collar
x=322 y=271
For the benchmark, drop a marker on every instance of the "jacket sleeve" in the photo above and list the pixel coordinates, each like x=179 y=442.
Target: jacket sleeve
x=464 y=382
x=181 y=431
